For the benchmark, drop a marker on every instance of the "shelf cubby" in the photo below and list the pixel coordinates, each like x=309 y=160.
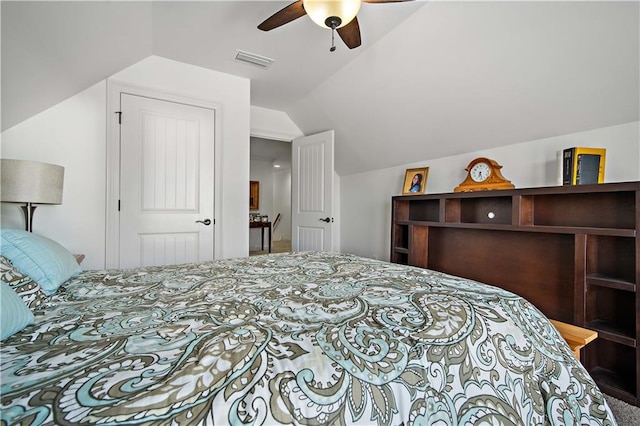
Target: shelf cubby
x=401 y=211
x=400 y=257
x=425 y=210
x=609 y=310
x=614 y=368
x=493 y=210
x=584 y=209
x=401 y=236
x=613 y=257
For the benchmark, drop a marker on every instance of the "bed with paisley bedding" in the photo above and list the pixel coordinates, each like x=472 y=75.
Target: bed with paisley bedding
x=302 y=338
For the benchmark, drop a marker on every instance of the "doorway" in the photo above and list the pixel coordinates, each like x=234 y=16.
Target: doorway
x=270 y=166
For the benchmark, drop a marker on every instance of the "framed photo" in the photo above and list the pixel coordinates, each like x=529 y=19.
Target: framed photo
x=415 y=181
x=254 y=195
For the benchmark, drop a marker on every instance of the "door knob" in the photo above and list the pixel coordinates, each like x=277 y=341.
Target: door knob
x=206 y=222
x=326 y=219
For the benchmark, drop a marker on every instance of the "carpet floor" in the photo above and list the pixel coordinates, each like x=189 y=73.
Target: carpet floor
x=625 y=414
x=282 y=246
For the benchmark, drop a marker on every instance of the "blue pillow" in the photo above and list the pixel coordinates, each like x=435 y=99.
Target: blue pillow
x=14 y=314
x=45 y=261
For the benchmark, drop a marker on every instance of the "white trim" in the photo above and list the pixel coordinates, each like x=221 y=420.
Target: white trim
x=114 y=90
x=268 y=134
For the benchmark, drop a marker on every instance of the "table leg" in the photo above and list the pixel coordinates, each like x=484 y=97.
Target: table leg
x=262 y=230
x=269 y=238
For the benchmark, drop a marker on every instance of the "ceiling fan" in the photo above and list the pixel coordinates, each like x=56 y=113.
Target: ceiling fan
x=338 y=15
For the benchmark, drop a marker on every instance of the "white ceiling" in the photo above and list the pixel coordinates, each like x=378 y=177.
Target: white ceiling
x=431 y=79
x=276 y=152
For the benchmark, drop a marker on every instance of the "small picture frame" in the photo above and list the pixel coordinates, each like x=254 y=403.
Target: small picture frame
x=415 y=181
x=254 y=195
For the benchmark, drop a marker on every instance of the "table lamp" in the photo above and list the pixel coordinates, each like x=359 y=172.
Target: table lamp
x=30 y=182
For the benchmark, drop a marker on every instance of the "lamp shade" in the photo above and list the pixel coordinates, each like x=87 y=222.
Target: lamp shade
x=31 y=182
x=320 y=10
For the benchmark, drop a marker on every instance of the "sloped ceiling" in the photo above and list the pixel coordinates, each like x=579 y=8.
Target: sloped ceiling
x=432 y=79
x=53 y=50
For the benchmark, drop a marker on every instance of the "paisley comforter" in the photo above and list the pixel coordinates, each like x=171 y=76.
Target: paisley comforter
x=306 y=338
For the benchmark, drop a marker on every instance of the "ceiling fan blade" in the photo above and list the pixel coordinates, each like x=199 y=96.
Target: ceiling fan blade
x=290 y=13
x=350 y=34
x=384 y=1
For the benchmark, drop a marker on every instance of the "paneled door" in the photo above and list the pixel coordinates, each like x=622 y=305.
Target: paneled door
x=312 y=192
x=166 y=182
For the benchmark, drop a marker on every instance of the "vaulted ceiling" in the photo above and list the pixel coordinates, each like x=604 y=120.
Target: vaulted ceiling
x=431 y=79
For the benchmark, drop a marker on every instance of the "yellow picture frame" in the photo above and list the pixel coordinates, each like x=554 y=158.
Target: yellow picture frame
x=418 y=186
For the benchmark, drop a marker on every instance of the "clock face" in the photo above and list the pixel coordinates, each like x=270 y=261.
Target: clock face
x=480 y=172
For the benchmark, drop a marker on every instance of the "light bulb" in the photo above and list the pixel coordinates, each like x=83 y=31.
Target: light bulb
x=320 y=10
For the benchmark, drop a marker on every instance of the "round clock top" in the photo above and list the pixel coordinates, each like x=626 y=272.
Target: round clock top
x=484 y=174
x=480 y=171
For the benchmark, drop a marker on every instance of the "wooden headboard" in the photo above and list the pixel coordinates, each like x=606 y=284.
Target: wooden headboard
x=572 y=251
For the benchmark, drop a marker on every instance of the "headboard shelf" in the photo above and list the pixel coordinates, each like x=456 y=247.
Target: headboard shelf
x=606 y=281
x=615 y=334
x=613 y=232
x=572 y=251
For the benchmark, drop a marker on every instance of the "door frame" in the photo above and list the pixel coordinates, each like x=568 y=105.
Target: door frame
x=112 y=216
x=278 y=137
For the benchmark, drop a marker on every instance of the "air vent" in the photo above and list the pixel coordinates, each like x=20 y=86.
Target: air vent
x=252 y=58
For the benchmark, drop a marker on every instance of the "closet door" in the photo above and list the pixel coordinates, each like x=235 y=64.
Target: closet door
x=166 y=182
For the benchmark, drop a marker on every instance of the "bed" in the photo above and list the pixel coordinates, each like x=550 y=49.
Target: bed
x=294 y=338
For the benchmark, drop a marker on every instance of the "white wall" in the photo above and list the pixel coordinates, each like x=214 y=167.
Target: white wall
x=73 y=134
x=282 y=204
x=366 y=197
x=337 y=213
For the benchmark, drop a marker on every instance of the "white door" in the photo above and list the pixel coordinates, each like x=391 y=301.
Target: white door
x=166 y=182
x=312 y=192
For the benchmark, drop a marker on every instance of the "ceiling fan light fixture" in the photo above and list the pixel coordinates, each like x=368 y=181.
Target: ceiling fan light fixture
x=324 y=12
